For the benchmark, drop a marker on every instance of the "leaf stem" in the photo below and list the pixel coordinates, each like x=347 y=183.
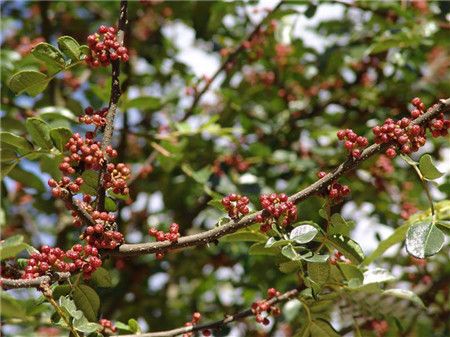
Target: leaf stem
x=427 y=191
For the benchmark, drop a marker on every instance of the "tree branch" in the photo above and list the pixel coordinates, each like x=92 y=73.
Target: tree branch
x=217 y=324
x=224 y=64
x=233 y=225
x=84 y=216
x=115 y=95
x=7 y=283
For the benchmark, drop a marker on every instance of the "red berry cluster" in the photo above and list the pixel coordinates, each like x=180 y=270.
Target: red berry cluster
x=172 y=235
x=338 y=258
x=107 y=325
x=263 y=305
x=276 y=206
x=255 y=46
x=103 y=52
x=408 y=209
x=103 y=234
x=335 y=191
x=196 y=316
x=381 y=168
x=409 y=138
x=116 y=177
x=380 y=327
x=78 y=258
x=236 y=204
x=354 y=144
x=98 y=118
x=65 y=182
x=235 y=161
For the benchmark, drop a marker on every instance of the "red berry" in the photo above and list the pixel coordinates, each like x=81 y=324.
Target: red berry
x=391 y=153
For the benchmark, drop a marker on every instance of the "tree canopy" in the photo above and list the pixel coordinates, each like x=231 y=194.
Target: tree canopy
x=244 y=168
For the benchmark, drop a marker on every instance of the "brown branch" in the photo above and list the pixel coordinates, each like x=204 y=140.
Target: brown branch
x=84 y=216
x=7 y=283
x=228 y=60
x=233 y=225
x=217 y=324
x=115 y=95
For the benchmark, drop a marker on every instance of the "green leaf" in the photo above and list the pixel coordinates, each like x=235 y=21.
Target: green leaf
x=315 y=258
x=245 y=236
x=289 y=267
x=428 y=169
x=101 y=278
x=378 y=275
x=133 y=324
x=144 y=102
x=87 y=300
x=90 y=179
x=397 y=236
x=318 y=272
x=40 y=132
x=83 y=325
x=290 y=252
x=259 y=249
x=323 y=213
x=321 y=328
x=216 y=203
x=405 y=294
x=349 y=248
x=303 y=234
x=110 y=205
x=61 y=290
x=60 y=136
x=57 y=112
x=16 y=141
x=11 y=307
x=6 y=168
x=70 y=307
x=49 y=54
x=27 y=179
x=424 y=239
x=272 y=242
x=118 y=196
x=338 y=220
x=7 y=155
x=29 y=81
x=408 y=159
x=70 y=47
x=85 y=50
x=122 y=326
x=12 y=246
x=351 y=272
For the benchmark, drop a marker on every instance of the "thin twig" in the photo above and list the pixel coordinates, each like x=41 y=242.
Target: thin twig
x=114 y=99
x=217 y=324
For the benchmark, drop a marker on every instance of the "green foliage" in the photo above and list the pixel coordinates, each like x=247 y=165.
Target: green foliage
x=267 y=124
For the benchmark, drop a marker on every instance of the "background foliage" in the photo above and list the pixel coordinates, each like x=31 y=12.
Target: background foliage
x=268 y=124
